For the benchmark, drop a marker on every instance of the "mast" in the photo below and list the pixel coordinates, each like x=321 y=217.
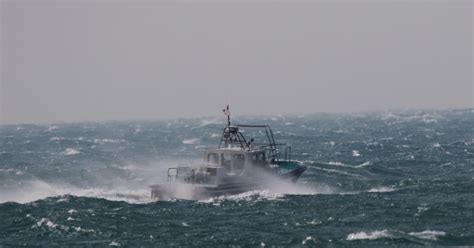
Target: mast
x=227 y=113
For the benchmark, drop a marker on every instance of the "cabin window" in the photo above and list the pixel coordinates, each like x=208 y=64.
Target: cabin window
x=212 y=171
x=213 y=158
x=225 y=160
x=258 y=159
x=238 y=163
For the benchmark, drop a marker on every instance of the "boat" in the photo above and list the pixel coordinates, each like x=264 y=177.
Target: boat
x=237 y=165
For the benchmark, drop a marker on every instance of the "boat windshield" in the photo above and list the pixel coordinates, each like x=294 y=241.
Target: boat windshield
x=225 y=161
x=258 y=159
x=238 y=161
x=212 y=159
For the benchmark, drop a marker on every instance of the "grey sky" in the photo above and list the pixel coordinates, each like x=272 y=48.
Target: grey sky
x=106 y=60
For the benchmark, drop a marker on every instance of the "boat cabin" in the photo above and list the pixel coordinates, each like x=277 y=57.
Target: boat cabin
x=234 y=160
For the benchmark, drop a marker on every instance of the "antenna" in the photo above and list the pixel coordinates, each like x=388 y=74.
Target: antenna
x=227 y=113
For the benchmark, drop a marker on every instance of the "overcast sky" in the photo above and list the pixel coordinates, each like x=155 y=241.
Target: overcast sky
x=109 y=60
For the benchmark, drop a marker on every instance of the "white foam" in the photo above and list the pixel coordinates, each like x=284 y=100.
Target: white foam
x=37 y=189
x=348 y=165
x=84 y=230
x=70 y=151
x=103 y=141
x=190 y=141
x=315 y=222
x=339 y=172
x=72 y=211
x=45 y=222
x=381 y=189
x=428 y=234
x=307 y=239
x=114 y=243
x=254 y=195
x=369 y=235
x=52 y=128
x=363 y=164
x=138 y=129
x=355 y=153
x=337 y=163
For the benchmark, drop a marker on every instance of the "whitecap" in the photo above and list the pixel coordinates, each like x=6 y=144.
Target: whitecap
x=348 y=165
x=84 y=230
x=103 y=141
x=355 y=153
x=36 y=190
x=381 y=189
x=72 y=211
x=52 y=128
x=428 y=234
x=363 y=164
x=254 y=195
x=70 y=151
x=190 y=141
x=315 y=222
x=339 y=172
x=45 y=222
x=114 y=243
x=369 y=235
x=6 y=170
x=138 y=129
x=337 y=163
x=307 y=239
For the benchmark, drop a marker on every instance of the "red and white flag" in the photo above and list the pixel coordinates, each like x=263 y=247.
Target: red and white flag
x=226 y=110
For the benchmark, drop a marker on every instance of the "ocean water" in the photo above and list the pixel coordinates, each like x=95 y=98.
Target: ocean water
x=374 y=179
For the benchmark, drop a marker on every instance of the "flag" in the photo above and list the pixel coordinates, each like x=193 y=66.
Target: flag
x=226 y=110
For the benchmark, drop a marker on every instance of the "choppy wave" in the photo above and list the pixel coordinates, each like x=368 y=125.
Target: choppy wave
x=373 y=179
x=253 y=196
x=369 y=235
x=386 y=234
x=381 y=189
x=428 y=234
x=36 y=190
x=71 y=151
x=191 y=141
